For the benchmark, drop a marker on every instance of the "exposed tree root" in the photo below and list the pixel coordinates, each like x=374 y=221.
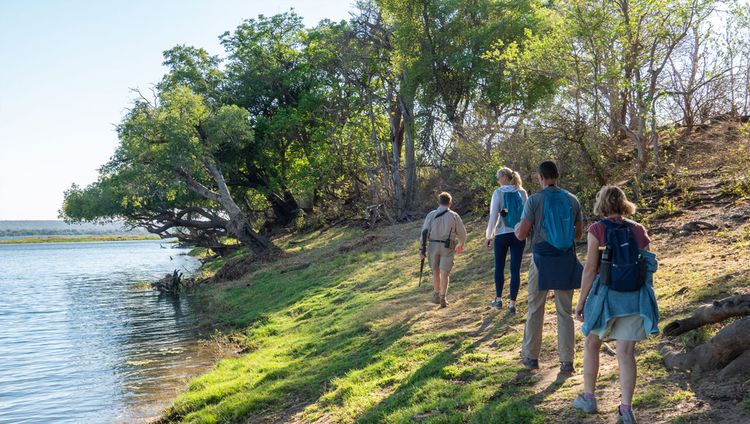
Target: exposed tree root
x=718 y=311
x=726 y=346
x=740 y=366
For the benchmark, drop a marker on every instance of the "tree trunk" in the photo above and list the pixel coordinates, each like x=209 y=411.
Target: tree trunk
x=237 y=224
x=284 y=207
x=397 y=137
x=718 y=311
x=410 y=164
x=239 y=227
x=728 y=344
x=655 y=138
x=596 y=168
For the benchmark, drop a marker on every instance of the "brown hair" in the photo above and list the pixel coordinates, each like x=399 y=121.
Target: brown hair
x=510 y=174
x=548 y=170
x=445 y=198
x=611 y=200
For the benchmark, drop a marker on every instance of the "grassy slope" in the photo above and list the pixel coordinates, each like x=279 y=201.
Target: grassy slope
x=350 y=338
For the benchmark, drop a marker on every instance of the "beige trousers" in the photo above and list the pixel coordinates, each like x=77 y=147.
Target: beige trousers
x=532 y=335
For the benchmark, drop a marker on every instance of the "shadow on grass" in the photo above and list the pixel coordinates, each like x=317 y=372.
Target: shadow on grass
x=297 y=384
x=460 y=384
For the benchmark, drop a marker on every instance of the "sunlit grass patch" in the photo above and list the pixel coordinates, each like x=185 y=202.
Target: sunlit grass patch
x=650 y=396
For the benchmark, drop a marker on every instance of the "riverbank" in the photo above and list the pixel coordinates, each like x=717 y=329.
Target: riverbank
x=77 y=239
x=338 y=330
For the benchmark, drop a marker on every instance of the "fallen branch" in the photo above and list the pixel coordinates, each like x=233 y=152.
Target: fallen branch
x=694 y=226
x=170 y=283
x=707 y=314
x=295 y=267
x=606 y=348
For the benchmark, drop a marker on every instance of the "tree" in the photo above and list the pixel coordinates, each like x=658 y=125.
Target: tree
x=166 y=147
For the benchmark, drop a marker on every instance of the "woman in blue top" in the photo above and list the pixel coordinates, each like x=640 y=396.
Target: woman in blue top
x=500 y=228
x=607 y=314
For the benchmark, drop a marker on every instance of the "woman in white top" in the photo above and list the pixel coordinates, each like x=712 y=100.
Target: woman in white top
x=505 y=212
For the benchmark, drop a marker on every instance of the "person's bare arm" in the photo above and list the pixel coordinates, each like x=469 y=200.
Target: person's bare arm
x=579 y=229
x=589 y=273
x=523 y=229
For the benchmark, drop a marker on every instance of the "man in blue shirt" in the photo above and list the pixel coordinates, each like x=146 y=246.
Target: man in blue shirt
x=532 y=222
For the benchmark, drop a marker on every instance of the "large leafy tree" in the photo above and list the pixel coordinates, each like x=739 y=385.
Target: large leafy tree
x=274 y=72
x=166 y=172
x=453 y=94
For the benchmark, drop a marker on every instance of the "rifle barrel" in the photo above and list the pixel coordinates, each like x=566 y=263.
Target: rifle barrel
x=421 y=269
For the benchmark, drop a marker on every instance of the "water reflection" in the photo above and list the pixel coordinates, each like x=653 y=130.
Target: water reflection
x=83 y=340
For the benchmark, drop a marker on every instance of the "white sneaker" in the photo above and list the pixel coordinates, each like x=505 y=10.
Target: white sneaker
x=587 y=406
x=626 y=418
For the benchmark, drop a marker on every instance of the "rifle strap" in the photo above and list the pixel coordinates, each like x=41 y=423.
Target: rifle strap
x=426 y=232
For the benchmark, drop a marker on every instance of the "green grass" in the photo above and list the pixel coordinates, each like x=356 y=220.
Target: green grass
x=351 y=339
x=79 y=239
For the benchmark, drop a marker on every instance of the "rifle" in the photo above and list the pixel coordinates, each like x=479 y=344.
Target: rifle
x=421 y=268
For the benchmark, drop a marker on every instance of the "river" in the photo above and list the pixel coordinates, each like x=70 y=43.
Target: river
x=83 y=339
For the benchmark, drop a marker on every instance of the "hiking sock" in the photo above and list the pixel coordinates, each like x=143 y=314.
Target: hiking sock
x=588 y=396
x=625 y=408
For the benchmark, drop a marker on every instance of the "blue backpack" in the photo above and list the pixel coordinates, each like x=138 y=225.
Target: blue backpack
x=513 y=203
x=559 y=219
x=622 y=267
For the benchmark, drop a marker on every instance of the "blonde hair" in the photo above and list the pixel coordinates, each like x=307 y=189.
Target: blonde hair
x=611 y=200
x=510 y=174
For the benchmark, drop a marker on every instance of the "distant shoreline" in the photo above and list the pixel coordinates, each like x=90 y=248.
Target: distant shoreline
x=77 y=239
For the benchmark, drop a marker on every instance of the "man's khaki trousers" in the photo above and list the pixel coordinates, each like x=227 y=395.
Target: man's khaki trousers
x=532 y=335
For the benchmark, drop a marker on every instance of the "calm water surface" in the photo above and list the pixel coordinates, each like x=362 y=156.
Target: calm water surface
x=82 y=340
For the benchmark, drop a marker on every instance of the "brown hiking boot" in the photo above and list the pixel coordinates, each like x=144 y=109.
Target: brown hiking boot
x=443 y=303
x=436 y=298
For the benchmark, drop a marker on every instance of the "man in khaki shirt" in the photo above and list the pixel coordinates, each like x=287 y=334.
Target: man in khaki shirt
x=443 y=235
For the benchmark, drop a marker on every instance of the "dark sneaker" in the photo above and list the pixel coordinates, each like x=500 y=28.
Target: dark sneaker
x=566 y=368
x=497 y=304
x=532 y=364
x=443 y=303
x=512 y=310
x=436 y=298
x=626 y=418
x=587 y=406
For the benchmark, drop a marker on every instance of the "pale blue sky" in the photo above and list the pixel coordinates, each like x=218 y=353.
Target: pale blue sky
x=66 y=70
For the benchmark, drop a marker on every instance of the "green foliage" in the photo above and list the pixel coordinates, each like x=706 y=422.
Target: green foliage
x=665 y=208
x=697 y=337
x=745 y=405
x=737 y=188
x=745 y=129
x=346 y=114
